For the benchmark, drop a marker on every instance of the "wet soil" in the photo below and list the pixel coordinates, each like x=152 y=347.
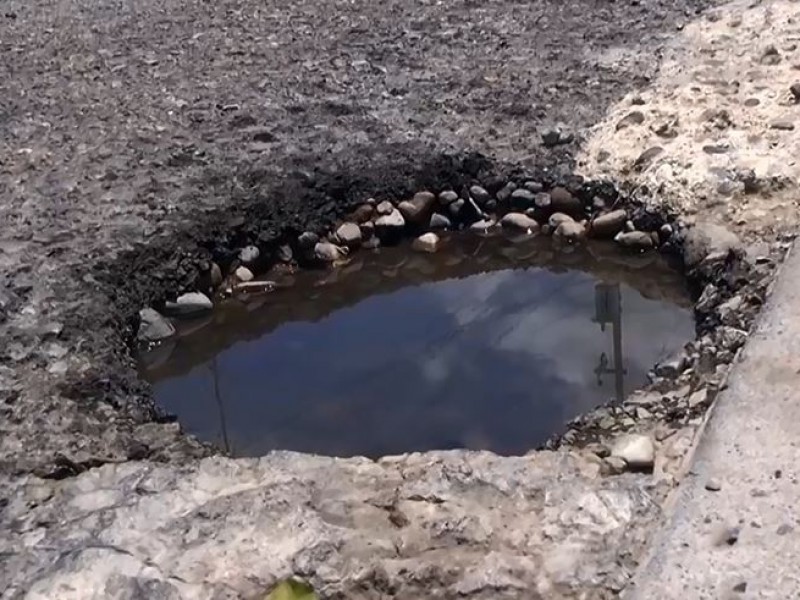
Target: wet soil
x=490 y=344
x=134 y=132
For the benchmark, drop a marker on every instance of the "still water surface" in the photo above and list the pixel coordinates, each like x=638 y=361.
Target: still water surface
x=487 y=345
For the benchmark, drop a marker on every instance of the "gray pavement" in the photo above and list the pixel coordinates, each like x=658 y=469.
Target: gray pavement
x=743 y=540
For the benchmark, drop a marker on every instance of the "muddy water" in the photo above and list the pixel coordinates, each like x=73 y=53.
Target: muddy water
x=489 y=344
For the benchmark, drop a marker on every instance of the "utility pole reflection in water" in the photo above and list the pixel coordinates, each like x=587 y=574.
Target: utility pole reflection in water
x=218 y=398
x=608 y=310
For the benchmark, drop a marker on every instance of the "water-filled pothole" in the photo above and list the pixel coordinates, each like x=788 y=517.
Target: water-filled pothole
x=488 y=344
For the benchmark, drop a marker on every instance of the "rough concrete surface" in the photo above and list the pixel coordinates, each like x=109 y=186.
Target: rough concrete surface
x=742 y=540
x=716 y=132
x=434 y=525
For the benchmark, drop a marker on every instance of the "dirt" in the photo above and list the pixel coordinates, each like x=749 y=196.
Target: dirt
x=140 y=138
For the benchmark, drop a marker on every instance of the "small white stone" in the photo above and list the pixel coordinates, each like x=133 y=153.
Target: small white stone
x=427 y=242
x=243 y=274
x=637 y=450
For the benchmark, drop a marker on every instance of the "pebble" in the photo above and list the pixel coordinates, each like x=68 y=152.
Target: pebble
x=243 y=274
x=417 y=211
x=636 y=240
x=635 y=117
x=190 y=304
x=249 y=254
x=483 y=226
x=479 y=194
x=542 y=201
x=522 y=198
x=456 y=207
x=363 y=213
x=520 y=222
x=637 y=450
x=615 y=464
x=505 y=193
x=533 y=186
x=609 y=224
x=285 y=253
x=570 y=230
x=563 y=201
x=448 y=197
x=427 y=242
x=795 y=90
x=439 y=221
x=646 y=158
x=153 y=327
x=740 y=587
x=713 y=485
x=390 y=225
x=327 y=252
x=554 y=136
x=349 y=234
x=557 y=218
x=384 y=208
x=782 y=125
x=307 y=240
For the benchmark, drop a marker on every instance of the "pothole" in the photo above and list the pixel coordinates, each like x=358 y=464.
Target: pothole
x=491 y=343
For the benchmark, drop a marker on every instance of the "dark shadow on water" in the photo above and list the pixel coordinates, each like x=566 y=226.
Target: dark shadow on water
x=488 y=344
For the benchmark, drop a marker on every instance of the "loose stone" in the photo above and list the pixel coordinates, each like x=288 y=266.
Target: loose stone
x=479 y=194
x=307 y=240
x=285 y=253
x=363 y=213
x=609 y=224
x=327 y=252
x=636 y=240
x=384 y=208
x=418 y=210
x=637 y=450
x=713 y=485
x=635 y=117
x=795 y=90
x=439 y=221
x=522 y=198
x=533 y=186
x=563 y=201
x=349 y=234
x=391 y=225
x=427 y=242
x=448 y=197
x=570 y=231
x=153 y=327
x=557 y=219
x=519 y=222
x=191 y=304
x=782 y=125
x=543 y=201
x=505 y=193
x=243 y=274
x=483 y=226
x=249 y=254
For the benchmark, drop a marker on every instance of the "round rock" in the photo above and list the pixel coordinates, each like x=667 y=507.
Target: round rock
x=249 y=254
x=479 y=194
x=153 y=327
x=243 y=274
x=519 y=222
x=635 y=240
x=609 y=224
x=327 y=252
x=427 y=242
x=188 y=305
x=349 y=234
